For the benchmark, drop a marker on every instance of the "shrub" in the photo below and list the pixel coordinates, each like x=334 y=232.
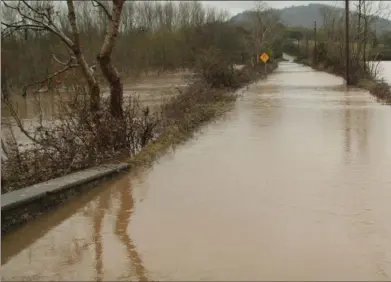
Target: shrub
x=212 y=68
x=382 y=91
x=74 y=139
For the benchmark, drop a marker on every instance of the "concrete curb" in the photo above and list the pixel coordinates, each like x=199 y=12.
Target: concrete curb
x=23 y=196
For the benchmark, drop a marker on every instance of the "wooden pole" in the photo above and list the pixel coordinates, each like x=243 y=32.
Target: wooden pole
x=315 y=46
x=347 y=42
x=265 y=69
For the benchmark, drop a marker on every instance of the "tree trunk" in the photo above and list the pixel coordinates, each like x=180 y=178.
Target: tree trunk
x=4 y=76
x=104 y=58
x=358 y=37
x=4 y=86
x=116 y=88
x=307 y=48
x=93 y=86
x=364 y=54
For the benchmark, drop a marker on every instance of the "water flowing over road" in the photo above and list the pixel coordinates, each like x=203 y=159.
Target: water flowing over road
x=293 y=183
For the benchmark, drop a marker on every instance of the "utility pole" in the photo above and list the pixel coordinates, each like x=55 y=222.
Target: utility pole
x=315 y=46
x=347 y=42
x=307 y=47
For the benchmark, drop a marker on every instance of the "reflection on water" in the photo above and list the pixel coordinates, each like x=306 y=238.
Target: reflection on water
x=97 y=235
x=121 y=230
x=292 y=184
x=89 y=247
x=356 y=131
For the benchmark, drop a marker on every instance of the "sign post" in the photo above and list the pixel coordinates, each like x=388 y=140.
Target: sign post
x=264 y=57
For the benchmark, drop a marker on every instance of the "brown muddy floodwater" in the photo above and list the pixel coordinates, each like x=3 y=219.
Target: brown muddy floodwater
x=151 y=90
x=293 y=184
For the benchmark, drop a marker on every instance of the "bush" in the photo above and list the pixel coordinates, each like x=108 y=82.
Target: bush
x=75 y=139
x=212 y=68
x=382 y=91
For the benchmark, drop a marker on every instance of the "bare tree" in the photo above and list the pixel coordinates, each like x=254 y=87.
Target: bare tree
x=4 y=76
x=42 y=16
x=369 y=12
x=264 y=22
x=363 y=32
x=104 y=57
x=161 y=36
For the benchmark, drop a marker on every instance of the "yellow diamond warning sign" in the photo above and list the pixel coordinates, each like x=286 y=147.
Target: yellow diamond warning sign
x=264 y=57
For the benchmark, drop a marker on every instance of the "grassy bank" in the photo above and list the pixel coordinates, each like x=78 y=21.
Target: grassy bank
x=207 y=103
x=138 y=139
x=360 y=78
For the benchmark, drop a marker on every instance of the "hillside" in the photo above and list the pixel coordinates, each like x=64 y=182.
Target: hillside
x=306 y=15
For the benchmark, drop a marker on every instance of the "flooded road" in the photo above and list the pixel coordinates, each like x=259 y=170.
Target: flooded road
x=293 y=184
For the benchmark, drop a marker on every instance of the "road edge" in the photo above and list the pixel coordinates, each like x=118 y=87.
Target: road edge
x=27 y=208
x=23 y=205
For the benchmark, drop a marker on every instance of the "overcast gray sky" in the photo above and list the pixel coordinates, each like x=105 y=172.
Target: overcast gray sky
x=234 y=7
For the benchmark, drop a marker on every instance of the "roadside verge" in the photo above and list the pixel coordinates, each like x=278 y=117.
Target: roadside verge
x=378 y=88
x=184 y=115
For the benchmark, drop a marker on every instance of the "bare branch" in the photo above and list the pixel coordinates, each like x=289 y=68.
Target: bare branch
x=24 y=130
x=76 y=46
x=14 y=27
x=18 y=26
x=103 y=7
x=60 y=62
x=43 y=15
x=4 y=148
x=50 y=26
x=48 y=78
x=9 y=6
x=113 y=29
